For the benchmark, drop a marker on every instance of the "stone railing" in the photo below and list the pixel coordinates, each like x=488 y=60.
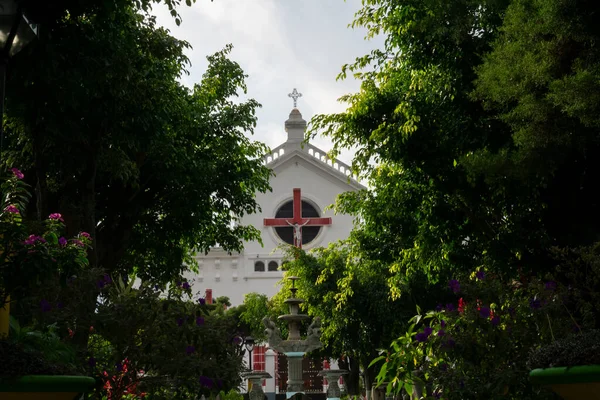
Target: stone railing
x=274 y=154
x=313 y=152
x=339 y=166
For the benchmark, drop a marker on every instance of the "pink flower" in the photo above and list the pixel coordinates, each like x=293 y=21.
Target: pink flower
x=11 y=209
x=85 y=235
x=18 y=174
x=33 y=239
x=78 y=243
x=56 y=216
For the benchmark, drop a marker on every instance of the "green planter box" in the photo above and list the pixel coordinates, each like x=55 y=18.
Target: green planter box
x=46 y=387
x=571 y=383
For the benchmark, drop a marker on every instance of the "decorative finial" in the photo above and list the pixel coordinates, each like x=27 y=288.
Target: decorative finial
x=295 y=95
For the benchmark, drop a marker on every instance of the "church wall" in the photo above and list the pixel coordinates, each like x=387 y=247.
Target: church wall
x=234 y=276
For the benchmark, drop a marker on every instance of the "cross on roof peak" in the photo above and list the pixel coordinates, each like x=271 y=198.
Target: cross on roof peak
x=295 y=95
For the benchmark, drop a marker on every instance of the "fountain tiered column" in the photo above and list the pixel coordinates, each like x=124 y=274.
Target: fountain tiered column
x=294 y=347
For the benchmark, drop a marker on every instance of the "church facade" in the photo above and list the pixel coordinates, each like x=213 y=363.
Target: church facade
x=304 y=182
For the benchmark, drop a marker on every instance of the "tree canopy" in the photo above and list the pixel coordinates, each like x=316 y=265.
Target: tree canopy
x=469 y=122
x=476 y=129
x=154 y=171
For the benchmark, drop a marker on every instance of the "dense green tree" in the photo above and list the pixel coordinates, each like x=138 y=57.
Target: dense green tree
x=151 y=169
x=352 y=298
x=412 y=121
x=477 y=131
x=542 y=79
x=486 y=159
x=49 y=13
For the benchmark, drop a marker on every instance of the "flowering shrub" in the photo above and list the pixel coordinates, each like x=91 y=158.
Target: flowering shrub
x=30 y=253
x=477 y=347
x=148 y=343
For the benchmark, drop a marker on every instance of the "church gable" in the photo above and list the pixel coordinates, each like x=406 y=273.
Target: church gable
x=295 y=151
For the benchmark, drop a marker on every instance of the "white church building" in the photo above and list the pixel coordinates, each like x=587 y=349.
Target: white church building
x=304 y=183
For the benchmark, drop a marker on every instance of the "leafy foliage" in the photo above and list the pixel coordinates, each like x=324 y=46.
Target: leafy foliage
x=153 y=170
x=476 y=129
x=27 y=259
x=175 y=341
x=572 y=351
x=472 y=347
x=352 y=298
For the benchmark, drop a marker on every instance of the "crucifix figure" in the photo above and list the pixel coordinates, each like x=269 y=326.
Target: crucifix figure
x=295 y=95
x=297 y=232
x=297 y=221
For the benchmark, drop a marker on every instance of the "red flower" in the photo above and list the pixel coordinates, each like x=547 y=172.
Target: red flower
x=461 y=305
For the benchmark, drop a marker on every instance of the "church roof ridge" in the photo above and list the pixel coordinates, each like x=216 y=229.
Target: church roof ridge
x=279 y=154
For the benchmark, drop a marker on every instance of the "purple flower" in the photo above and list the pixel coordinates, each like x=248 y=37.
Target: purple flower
x=206 y=382
x=92 y=362
x=179 y=321
x=480 y=275
x=107 y=279
x=535 y=304
x=33 y=239
x=420 y=337
x=56 y=217
x=45 y=305
x=550 y=285
x=62 y=241
x=423 y=336
x=18 y=174
x=185 y=286
x=450 y=307
x=190 y=350
x=484 y=312
x=454 y=285
x=199 y=321
x=439 y=308
x=495 y=320
x=441 y=332
x=202 y=301
x=449 y=343
x=119 y=367
x=11 y=210
x=443 y=324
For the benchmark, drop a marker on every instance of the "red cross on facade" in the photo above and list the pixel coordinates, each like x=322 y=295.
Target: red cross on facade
x=297 y=222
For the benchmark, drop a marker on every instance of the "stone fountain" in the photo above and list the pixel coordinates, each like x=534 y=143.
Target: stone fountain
x=332 y=376
x=294 y=347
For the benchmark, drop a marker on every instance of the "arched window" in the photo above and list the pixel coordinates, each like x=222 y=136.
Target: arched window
x=286 y=234
x=259 y=266
x=273 y=265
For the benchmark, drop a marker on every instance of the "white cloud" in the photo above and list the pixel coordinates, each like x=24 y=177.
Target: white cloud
x=280 y=44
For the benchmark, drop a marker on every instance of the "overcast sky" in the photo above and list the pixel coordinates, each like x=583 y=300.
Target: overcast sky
x=281 y=45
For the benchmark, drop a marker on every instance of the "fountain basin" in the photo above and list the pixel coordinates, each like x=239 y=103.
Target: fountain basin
x=294 y=317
